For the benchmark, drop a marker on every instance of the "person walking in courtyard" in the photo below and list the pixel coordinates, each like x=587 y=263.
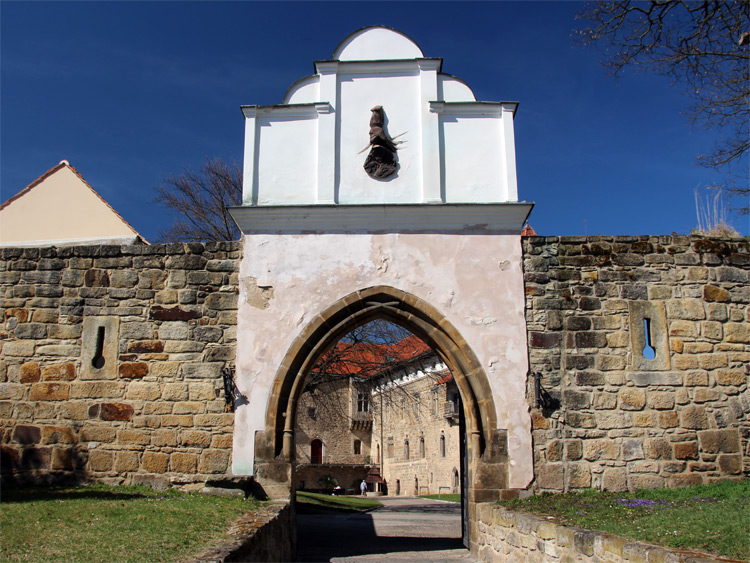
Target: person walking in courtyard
x=363 y=488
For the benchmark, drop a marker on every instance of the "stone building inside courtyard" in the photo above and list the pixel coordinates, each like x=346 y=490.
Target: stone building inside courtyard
x=385 y=413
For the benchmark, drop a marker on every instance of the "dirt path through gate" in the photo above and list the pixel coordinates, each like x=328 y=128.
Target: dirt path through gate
x=403 y=529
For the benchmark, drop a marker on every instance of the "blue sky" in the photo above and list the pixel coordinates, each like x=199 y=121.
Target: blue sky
x=130 y=92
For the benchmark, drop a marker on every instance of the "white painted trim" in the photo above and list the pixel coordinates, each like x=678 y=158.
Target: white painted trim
x=249 y=182
x=389 y=66
x=432 y=189
x=456 y=217
x=284 y=111
x=326 y=181
x=473 y=108
x=509 y=149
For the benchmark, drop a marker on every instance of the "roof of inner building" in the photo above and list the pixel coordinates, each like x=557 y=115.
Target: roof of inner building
x=366 y=360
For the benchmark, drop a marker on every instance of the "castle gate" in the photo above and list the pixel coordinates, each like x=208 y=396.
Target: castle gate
x=380 y=188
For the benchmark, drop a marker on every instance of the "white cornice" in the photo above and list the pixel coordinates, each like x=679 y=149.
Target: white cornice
x=473 y=108
x=482 y=218
x=386 y=66
x=312 y=109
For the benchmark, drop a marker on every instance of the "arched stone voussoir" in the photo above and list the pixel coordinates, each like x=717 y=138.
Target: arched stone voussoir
x=353 y=310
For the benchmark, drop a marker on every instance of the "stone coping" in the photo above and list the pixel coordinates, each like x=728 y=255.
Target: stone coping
x=505 y=535
x=247 y=542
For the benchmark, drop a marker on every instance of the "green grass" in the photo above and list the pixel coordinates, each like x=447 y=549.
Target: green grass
x=330 y=502
x=713 y=518
x=448 y=496
x=118 y=524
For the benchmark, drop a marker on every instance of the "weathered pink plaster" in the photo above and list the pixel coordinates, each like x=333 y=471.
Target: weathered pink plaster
x=475 y=280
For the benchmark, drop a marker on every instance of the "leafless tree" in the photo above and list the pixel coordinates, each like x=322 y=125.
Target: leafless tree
x=366 y=357
x=703 y=45
x=200 y=199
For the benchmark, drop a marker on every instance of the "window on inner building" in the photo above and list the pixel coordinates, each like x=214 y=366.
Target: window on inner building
x=357 y=447
x=442 y=446
x=406 y=449
x=363 y=403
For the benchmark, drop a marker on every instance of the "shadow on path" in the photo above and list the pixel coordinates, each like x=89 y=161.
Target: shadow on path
x=403 y=529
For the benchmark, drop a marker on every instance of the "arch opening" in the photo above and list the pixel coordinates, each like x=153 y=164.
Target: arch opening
x=377 y=384
x=484 y=444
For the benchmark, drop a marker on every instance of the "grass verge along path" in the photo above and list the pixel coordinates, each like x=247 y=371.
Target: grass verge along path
x=314 y=501
x=713 y=518
x=118 y=524
x=450 y=497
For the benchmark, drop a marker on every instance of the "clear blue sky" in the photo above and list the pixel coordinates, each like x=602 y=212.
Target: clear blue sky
x=129 y=92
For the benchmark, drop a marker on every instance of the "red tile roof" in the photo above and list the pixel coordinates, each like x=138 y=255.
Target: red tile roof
x=367 y=360
x=447 y=376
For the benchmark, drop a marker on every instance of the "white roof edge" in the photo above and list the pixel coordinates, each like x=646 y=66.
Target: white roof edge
x=474 y=218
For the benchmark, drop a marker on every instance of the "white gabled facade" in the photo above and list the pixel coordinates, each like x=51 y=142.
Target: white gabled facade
x=444 y=229
x=309 y=150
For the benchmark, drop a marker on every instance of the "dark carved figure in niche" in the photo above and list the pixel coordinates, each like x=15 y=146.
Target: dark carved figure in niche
x=382 y=161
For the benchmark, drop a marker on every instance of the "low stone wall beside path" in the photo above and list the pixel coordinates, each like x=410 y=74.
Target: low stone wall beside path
x=505 y=536
x=267 y=534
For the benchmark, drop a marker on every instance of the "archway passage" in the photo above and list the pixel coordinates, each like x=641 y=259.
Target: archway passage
x=380 y=384
x=485 y=444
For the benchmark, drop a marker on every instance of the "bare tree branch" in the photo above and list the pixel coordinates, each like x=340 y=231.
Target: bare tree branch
x=703 y=45
x=201 y=200
x=372 y=355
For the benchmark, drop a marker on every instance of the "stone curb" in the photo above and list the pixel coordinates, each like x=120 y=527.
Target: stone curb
x=254 y=536
x=504 y=535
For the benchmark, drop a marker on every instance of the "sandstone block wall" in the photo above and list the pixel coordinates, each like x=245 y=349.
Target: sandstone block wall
x=415 y=413
x=625 y=420
x=110 y=361
x=329 y=415
x=509 y=536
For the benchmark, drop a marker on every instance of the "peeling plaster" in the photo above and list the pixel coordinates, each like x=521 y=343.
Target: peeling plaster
x=258 y=296
x=456 y=273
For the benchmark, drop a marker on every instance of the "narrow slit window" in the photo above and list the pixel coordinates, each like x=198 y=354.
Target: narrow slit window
x=648 y=350
x=98 y=360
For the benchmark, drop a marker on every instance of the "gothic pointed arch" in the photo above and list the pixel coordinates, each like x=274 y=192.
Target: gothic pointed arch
x=486 y=444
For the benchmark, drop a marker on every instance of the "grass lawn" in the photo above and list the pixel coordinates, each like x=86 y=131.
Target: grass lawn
x=330 y=502
x=448 y=496
x=117 y=524
x=713 y=518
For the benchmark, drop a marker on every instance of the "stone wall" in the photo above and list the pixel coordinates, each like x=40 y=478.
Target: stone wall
x=415 y=412
x=110 y=361
x=327 y=415
x=614 y=417
x=508 y=536
x=267 y=534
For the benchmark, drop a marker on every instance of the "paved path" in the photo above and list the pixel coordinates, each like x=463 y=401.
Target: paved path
x=403 y=529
